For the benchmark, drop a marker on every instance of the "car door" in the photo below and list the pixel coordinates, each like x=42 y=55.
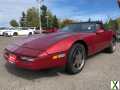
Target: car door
x=98 y=39
x=103 y=37
x=107 y=38
x=23 y=31
x=93 y=39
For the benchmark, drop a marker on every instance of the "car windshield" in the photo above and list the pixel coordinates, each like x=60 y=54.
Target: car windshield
x=80 y=27
x=11 y=28
x=2 y=28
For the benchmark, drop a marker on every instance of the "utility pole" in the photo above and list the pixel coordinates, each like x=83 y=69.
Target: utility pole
x=118 y=1
x=39 y=8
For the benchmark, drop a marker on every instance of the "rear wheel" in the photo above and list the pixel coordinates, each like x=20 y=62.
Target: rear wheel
x=76 y=59
x=30 y=33
x=5 y=34
x=15 y=34
x=112 y=46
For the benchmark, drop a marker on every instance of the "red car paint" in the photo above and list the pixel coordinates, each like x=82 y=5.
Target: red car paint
x=42 y=48
x=50 y=30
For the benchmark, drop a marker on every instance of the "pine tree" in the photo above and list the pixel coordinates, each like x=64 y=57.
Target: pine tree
x=43 y=17
x=55 y=22
x=23 y=21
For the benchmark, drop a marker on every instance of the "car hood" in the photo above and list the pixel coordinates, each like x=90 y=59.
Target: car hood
x=43 y=41
x=3 y=30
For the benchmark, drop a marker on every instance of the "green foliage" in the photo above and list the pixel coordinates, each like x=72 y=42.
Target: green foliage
x=50 y=20
x=118 y=21
x=14 y=23
x=23 y=21
x=55 y=22
x=112 y=24
x=66 y=22
x=32 y=17
x=44 y=17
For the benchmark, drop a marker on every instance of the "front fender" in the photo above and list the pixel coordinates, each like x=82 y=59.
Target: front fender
x=62 y=45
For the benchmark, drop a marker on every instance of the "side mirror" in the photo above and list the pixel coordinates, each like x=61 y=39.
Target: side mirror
x=99 y=31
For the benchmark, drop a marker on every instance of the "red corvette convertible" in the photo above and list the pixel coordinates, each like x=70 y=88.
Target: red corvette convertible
x=67 y=47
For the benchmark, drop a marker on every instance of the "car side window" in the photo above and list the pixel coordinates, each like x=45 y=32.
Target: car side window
x=98 y=26
x=91 y=27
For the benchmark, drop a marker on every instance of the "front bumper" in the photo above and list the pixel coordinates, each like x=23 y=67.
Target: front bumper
x=39 y=63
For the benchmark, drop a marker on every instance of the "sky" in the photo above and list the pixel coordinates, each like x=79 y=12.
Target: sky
x=73 y=9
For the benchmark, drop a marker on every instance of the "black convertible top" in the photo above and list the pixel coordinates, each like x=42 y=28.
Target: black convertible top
x=92 y=22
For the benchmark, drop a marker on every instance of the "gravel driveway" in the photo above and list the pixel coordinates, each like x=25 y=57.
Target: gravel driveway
x=97 y=74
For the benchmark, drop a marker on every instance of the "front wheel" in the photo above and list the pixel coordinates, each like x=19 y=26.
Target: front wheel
x=76 y=59
x=30 y=33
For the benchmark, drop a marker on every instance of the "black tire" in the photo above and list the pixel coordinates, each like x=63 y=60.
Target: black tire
x=76 y=59
x=5 y=34
x=15 y=34
x=30 y=33
x=112 y=47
